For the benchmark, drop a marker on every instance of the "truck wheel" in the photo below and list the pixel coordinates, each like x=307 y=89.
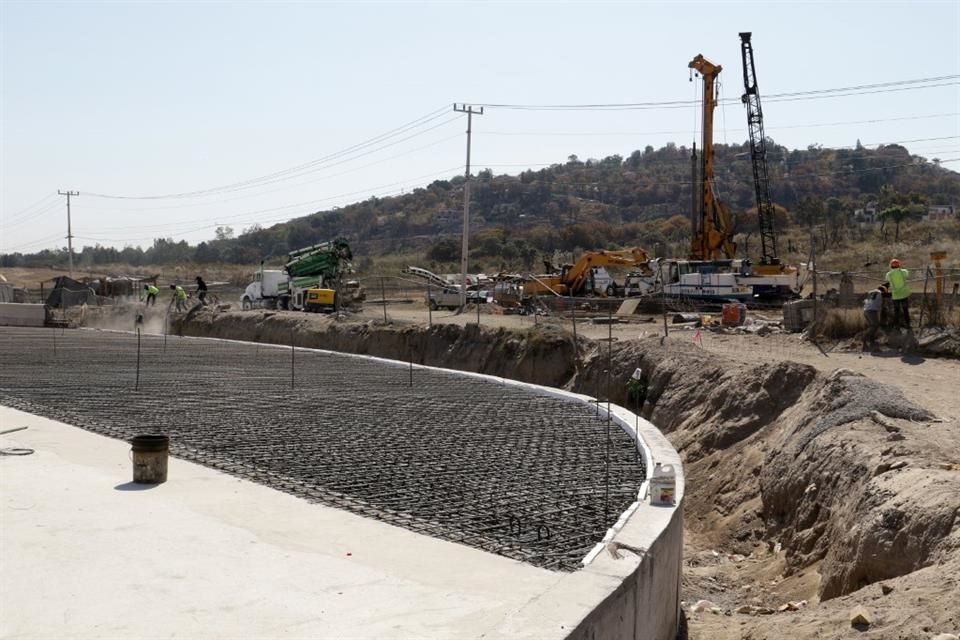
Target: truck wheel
x=433 y=305
x=245 y=304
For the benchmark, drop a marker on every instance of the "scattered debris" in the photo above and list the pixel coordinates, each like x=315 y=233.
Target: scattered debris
x=754 y=610
x=860 y=617
x=705 y=605
x=886 y=589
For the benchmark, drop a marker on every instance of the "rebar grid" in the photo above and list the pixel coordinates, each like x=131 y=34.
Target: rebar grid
x=464 y=459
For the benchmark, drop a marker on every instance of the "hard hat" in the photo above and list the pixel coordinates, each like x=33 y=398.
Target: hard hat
x=173 y=286
x=894 y=264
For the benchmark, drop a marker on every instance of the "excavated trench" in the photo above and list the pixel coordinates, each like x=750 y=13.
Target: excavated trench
x=773 y=453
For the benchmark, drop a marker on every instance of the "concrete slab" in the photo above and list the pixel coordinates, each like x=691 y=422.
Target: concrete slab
x=628 y=307
x=84 y=553
x=22 y=315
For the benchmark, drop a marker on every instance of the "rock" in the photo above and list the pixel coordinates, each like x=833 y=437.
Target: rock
x=754 y=610
x=705 y=605
x=881 y=468
x=945 y=636
x=900 y=464
x=860 y=617
x=886 y=589
x=893 y=437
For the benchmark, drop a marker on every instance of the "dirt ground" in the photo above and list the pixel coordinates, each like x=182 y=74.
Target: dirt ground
x=932 y=383
x=745 y=587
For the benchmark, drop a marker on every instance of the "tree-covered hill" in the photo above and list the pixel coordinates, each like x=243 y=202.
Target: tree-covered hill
x=643 y=199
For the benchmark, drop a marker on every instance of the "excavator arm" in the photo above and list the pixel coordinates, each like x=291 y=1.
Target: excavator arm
x=577 y=275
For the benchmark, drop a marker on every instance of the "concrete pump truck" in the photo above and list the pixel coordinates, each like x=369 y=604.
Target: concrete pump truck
x=311 y=280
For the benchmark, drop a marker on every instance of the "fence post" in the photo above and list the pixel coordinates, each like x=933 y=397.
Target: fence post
x=383 y=298
x=136 y=386
x=429 y=305
x=293 y=361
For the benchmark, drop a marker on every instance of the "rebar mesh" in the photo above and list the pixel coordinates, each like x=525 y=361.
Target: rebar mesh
x=530 y=477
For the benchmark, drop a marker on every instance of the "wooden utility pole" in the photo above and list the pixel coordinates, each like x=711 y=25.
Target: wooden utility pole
x=469 y=110
x=69 y=193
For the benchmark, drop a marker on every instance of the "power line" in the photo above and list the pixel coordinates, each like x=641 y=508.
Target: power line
x=433 y=115
x=27 y=209
x=31 y=217
x=228 y=218
x=689 y=132
x=775 y=97
x=284 y=188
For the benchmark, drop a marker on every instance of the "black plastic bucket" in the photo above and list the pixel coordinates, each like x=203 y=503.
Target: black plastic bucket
x=150 y=458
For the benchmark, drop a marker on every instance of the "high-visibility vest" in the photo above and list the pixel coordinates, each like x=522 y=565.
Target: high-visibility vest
x=899 y=289
x=181 y=294
x=152 y=290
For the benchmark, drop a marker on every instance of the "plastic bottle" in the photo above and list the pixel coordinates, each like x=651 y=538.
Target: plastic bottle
x=663 y=485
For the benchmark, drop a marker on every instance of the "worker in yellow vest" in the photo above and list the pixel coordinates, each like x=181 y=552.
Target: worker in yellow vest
x=150 y=292
x=900 y=292
x=180 y=297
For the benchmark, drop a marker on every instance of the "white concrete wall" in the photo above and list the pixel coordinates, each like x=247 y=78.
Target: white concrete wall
x=21 y=315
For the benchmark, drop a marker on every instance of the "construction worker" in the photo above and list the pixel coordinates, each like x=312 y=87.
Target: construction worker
x=872 y=305
x=151 y=292
x=202 y=291
x=900 y=292
x=180 y=297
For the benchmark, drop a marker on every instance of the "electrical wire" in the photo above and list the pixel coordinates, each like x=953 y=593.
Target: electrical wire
x=285 y=188
x=298 y=169
x=315 y=201
x=33 y=218
x=880 y=87
x=688 y=132
x=28 y=208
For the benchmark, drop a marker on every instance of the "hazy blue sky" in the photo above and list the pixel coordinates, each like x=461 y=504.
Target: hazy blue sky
x=141 y=99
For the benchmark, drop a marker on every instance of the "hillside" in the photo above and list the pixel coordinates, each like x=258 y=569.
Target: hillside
x=643 y=199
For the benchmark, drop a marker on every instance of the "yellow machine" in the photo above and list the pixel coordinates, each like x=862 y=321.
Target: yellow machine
x=572 y=279
x=320 y=301
x=712 y=227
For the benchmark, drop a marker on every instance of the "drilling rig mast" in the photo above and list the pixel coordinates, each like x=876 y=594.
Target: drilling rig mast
x=758 y=155
x=713 y=231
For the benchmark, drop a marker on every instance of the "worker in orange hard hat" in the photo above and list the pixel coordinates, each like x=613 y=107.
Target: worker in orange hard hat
x=900 y=292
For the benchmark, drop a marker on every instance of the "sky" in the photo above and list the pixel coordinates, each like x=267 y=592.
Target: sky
x=207 y=114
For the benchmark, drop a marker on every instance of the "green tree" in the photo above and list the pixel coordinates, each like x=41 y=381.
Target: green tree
x=901 y=213
x=444 y=250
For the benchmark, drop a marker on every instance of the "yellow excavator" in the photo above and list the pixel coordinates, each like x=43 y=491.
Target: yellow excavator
x=573 y=279
x=712 y=227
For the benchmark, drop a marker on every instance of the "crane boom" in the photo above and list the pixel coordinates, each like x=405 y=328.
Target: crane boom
x=758 y=154
x=714 y=236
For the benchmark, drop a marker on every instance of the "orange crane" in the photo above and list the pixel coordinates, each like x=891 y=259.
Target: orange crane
x=712 y=227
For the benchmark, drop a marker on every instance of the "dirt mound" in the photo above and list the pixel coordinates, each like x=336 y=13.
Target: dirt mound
x=844 y=484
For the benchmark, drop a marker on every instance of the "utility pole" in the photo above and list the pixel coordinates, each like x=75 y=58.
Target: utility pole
x=69 y=228
x=469 y=110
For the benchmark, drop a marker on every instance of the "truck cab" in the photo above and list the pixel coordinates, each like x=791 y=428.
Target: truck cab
x=264 y=289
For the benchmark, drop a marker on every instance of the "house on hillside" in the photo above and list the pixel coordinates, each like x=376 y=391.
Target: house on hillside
x=940 y=212
x=869 y=213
